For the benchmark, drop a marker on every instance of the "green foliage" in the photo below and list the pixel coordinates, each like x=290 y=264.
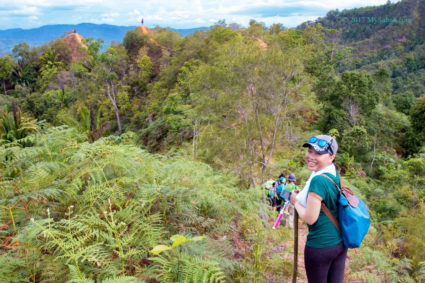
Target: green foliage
x=418 y=116
x=95 y=211
x=89 y=122
x=413 y=239
x=47 y=105
x=133 y=41
x=375 y=266
x=181 y=266
x=79 y=207
x=220 y=33
x=6 y=67
x=15 y=129
x=249 y=89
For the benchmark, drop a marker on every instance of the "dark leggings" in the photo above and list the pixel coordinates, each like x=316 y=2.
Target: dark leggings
x=325 y=264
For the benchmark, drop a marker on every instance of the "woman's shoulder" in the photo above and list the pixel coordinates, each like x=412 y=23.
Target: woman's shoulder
x=323 y=180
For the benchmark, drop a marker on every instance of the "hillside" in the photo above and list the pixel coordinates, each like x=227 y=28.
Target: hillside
x=387 y=30
x=144 y=162
x=383 y=25
x=75 y=43
x=387 y=40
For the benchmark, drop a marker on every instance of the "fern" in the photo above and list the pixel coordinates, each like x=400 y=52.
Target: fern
x=365 y=276
x=122 y=279
x=100 y=208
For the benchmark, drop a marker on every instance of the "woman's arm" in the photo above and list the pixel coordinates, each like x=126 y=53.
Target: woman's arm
x=310 y=213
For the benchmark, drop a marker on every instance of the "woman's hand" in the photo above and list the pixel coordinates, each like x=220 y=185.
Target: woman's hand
x=294 y=194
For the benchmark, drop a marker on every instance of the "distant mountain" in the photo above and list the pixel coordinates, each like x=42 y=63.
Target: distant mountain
x=38 y=36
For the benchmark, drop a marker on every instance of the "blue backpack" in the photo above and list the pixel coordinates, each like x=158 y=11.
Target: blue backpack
x=354 y=219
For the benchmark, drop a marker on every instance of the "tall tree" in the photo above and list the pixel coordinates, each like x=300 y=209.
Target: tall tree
x=244 y=102
x=6 y=68
x=108 y=74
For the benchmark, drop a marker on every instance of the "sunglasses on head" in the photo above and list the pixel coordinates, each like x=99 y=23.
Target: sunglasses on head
x=322 y=143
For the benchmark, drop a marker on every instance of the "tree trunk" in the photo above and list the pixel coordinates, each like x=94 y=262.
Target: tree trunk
x=374 y=152
x=195 y=140
x=111 y=94
x=15 y=114
x=4 y=87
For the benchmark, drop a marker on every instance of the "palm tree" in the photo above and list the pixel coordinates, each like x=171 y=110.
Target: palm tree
x=15 y=129
x=88 y=123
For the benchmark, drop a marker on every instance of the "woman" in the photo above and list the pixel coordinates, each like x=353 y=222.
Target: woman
x=325 y=253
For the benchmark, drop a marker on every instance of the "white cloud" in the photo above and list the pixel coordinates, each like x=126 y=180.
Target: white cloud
x=110 y=15
x=25 y=10
x=134 y=12
x=173 y=13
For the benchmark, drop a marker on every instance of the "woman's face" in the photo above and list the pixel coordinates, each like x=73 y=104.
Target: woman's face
x=316 y=161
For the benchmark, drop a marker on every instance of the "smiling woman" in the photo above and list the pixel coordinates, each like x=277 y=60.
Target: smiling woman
x=324 y=253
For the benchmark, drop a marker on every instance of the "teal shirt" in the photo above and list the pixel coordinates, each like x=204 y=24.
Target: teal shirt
x=279 y=189
x=323 y=233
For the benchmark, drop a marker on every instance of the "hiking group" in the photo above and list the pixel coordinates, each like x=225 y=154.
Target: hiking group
x=278 y=197
x=336 y=218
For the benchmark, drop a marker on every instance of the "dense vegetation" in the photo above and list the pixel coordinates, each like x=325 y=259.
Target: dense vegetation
x=143 y=162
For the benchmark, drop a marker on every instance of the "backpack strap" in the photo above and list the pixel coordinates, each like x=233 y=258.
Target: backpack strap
x=326 y=209
x=330 y=216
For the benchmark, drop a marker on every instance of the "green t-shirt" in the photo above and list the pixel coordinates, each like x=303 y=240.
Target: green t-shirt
x=291 y=187
x=323 y=233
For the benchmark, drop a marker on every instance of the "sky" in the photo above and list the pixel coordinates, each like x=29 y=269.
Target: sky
x=168 y=13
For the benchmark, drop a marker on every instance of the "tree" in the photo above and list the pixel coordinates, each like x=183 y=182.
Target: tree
x=349 y=107
x=89 y=122
x=27 y=66
x=108 y=75
x=351 y=100
x=15 y=129
x=244 y=102
x=6 y=67
x=417 y=116
x=275 y=29
x=133 y=41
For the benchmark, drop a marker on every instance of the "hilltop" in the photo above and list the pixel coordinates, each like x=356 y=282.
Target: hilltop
x=38 y=36
x=75 y=42
x=144 y=29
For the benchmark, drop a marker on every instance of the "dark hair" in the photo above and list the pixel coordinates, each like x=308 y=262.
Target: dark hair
x=282 y=175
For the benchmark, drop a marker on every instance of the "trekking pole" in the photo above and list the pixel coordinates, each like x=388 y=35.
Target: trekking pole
x=281 y=212
x=294 y=275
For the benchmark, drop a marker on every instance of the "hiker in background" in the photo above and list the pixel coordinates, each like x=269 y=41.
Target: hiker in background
x=273 y=196
x=290 y=187
x=279 y=189
x=324 y=253
x=270 y=187
x=291 y=183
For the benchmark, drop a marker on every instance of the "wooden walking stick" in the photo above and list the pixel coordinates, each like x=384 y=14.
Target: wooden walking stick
x=294 y=274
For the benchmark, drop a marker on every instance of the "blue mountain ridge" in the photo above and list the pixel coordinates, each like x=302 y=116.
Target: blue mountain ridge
x=38 y=36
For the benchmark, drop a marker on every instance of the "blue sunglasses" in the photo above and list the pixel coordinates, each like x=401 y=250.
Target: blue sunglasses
x=322 y=143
